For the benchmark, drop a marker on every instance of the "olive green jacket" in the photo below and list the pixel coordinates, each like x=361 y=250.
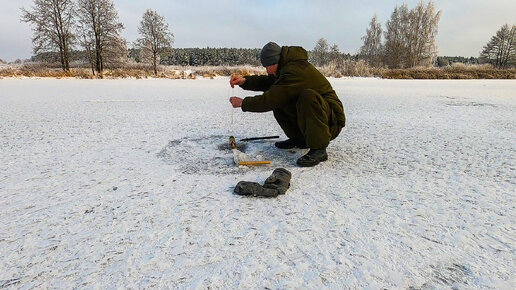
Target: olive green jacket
x=294 y=74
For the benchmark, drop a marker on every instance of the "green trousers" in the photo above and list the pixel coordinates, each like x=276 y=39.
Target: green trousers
x=309 y=120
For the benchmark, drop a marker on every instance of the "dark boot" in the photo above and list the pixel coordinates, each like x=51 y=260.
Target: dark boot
x=312 y=158
x=254 y=189
x=248 y=188
x=279 y=180
x=289 y=144
x=276 y=184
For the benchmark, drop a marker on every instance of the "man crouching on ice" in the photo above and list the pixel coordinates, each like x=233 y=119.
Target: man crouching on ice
x=301 y=98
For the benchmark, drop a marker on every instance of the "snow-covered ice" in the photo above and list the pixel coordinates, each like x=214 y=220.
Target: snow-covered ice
x=128 y=183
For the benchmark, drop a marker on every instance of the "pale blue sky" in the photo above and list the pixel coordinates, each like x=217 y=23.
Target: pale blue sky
x=466 y=25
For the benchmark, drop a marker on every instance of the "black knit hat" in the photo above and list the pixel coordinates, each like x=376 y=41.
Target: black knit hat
x=270 y=54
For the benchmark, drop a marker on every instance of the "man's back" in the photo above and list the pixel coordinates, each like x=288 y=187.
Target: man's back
x=296 y=72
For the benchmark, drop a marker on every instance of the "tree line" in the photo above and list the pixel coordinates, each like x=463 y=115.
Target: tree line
x=211 y=56
x=174 y=56
x=90 y=30
x=321 y=55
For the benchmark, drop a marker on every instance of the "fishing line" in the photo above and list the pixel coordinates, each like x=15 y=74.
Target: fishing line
x=232 y=109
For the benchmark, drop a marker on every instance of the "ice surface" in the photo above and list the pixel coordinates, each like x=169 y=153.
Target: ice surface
x=128 y=184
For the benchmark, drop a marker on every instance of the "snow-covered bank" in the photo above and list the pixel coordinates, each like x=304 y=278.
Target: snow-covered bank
x=128 y=183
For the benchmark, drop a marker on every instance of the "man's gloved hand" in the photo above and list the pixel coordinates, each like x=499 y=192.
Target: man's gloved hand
x=236 y=80
x=236 y=102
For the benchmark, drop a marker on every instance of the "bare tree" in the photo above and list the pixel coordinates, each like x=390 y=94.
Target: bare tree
x=320 y=53
x=423 y=26
x=52 y=23
x=410 y=36
x=87 y=41
x=500 y=51
x=156 y=37
x=100 y=33
x=395 y=45
x=372 y=48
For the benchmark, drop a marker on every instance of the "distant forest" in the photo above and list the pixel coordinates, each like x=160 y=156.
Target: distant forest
x=177 y=56
x=217 y=57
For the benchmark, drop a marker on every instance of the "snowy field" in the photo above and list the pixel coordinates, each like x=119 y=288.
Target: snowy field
x=129 y=184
